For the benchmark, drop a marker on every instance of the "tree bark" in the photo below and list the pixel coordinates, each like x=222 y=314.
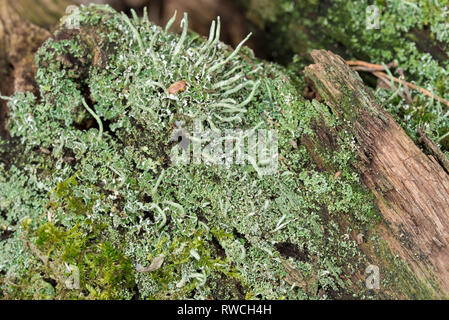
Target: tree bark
x=411 y=189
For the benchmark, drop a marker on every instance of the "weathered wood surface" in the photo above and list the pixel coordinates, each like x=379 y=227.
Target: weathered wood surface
x=411 y=188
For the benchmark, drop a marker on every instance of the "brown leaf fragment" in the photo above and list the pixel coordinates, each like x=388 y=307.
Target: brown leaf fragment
x=44 y=150
x=177 y=87
x=337 y=174
x=68 y=159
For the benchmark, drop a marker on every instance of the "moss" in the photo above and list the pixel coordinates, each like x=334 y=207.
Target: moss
x=76 y=254
x=105 y=273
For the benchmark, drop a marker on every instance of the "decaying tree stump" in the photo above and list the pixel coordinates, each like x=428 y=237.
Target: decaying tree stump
x=411 y=189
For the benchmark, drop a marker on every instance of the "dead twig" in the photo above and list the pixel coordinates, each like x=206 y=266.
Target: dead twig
x=377 y=70
x=370 y=66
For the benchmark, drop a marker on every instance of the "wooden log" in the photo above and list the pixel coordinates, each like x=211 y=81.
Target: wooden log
x=411 y=189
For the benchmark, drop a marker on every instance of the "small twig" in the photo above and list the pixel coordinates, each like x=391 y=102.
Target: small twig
x=371 y=66
x=377 y=70
x=385 y=82
x=365 y=69
x=420 y=89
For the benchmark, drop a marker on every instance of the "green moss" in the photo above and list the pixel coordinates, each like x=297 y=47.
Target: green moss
x=104 y=271
x=77 y=254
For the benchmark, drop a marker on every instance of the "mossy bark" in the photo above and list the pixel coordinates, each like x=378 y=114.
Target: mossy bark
x=411 y=189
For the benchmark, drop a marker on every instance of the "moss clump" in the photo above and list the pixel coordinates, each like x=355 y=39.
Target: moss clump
x=72 y=264
x=105 y=272
x=99 y=190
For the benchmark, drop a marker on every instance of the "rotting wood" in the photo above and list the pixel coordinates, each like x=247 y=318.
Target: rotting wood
x=411 y=189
